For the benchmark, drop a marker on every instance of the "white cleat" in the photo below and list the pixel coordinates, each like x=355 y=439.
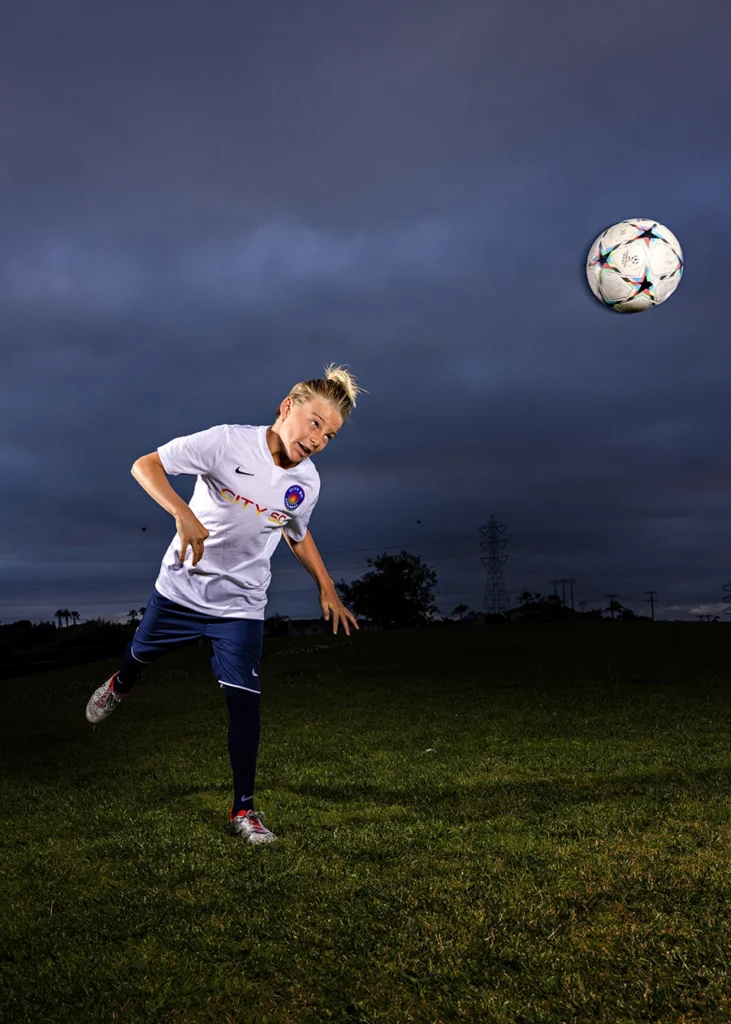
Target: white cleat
x=247 y=824
x=103 y=701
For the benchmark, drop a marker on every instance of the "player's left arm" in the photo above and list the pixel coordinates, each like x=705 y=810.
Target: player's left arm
x=306 y=551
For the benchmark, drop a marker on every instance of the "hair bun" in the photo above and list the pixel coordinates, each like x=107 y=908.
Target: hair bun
x=338 y=386
x=346 y=380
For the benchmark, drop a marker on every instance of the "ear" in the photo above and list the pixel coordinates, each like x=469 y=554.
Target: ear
x=285 y=408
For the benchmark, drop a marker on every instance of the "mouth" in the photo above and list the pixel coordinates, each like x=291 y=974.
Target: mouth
x=304 y=451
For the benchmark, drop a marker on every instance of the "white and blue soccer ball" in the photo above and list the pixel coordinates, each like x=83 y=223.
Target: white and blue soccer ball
x=634 y=265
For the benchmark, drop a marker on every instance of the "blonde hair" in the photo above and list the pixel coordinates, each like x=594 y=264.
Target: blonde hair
x=338 y=386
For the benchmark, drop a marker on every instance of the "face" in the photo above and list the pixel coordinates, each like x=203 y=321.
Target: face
x=308 y=428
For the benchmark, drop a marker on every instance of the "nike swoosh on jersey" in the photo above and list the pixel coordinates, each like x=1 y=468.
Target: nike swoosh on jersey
x=243 y=472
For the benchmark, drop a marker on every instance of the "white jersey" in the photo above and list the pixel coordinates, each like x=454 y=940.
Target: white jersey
x=245 y=501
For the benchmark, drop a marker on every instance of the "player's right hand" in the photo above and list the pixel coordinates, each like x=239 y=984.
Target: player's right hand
x=191 y=532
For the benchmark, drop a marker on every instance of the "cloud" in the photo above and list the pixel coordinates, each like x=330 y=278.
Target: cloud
x=64 y=273
x=193 y=221
x=277 y=261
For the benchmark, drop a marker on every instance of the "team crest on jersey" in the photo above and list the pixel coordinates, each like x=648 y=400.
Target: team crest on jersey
x=294 y=497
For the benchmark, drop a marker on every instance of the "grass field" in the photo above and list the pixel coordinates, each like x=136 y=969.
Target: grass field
x=512 y=824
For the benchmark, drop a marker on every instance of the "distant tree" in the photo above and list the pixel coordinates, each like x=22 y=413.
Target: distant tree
x=460 y=610
x=536 y=606
x=66 y=615
x=276 y=625
x=615 y=608
x=398 y=592
x=132 y=619
x=59 y=614
x=75 y=616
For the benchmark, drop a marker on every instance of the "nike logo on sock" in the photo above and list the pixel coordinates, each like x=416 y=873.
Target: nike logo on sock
x=243 y=472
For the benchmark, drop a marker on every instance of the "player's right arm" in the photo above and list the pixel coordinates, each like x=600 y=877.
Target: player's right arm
x=150 y=474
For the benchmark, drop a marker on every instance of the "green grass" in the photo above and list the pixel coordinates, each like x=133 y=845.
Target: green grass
x=511 y=825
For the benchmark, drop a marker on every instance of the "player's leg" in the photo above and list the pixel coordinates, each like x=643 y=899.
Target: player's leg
x=237 y=645
x=164 y=626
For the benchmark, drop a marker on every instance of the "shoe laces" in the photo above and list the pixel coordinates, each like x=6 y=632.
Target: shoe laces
x=108 y=698
x=255 y=817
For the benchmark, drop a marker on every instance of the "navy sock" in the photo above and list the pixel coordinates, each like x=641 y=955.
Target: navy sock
x=129 y=672
x=243 y=744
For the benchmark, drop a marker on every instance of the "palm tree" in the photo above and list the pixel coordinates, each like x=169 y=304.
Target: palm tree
x=132 y=619
x=75 y=616
x=67 y=615
x=614 y=607
x=460 y=610
x=59 y=614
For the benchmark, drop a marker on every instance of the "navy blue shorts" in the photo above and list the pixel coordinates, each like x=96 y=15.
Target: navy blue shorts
x=236 y=643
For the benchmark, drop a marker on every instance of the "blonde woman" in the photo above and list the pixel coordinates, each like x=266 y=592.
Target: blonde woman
x=254 y=485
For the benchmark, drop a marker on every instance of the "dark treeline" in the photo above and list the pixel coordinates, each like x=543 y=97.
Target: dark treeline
x=397 y=592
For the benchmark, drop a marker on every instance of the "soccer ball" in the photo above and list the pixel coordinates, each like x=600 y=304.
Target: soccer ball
x=634 y=265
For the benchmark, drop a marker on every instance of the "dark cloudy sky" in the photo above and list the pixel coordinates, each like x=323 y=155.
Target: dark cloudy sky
x=202 y=204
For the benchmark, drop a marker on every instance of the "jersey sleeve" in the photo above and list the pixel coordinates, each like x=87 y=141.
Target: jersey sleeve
x=195 y=454
x=296 y=528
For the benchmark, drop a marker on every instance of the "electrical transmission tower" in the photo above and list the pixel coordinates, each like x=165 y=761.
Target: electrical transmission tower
x=496 y=593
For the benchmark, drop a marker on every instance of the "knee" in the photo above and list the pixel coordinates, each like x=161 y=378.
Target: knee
x=241 y=702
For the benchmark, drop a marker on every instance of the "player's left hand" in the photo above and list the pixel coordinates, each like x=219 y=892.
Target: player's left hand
x=333 y=607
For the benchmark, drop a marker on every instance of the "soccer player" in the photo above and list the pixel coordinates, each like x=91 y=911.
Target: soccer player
x=255 y=485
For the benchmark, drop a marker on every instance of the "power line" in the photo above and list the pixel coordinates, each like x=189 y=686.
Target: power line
x=325 y=553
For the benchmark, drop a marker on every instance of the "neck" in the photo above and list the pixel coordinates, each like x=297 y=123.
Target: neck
x=277 y=449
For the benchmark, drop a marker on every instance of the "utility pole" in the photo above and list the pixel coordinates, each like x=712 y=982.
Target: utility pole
x=611 y=598
x=496 y=594
x=563 y=583
x=651 y=600
x=582 y=605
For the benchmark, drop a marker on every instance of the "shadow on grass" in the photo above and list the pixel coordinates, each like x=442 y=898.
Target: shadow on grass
x=38 y=755
x=495 y=799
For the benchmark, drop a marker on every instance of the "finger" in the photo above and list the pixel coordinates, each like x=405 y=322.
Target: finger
x=183 y=549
